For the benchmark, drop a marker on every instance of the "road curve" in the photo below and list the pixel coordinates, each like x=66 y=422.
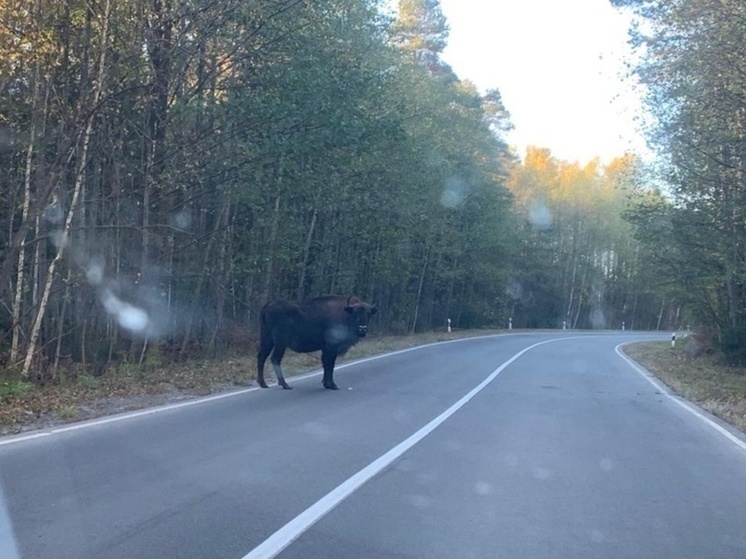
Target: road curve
x=461 y=449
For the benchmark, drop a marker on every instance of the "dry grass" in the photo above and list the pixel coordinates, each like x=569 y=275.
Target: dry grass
x=719 y=389
x=25 y=406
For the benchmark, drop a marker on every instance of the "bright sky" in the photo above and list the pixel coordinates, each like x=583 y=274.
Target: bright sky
x=557 y=65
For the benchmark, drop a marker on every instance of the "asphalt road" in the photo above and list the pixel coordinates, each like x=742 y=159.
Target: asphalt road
x=568 y=452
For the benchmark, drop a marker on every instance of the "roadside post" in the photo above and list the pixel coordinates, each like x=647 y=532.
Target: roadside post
x=622 y=326
x=448 y=323
x=673 y=339
x=510 y=323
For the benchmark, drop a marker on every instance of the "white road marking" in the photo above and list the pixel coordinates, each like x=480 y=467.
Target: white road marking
x=283 y=537
x=13 y=439
x=168 y=407
x=678 y=401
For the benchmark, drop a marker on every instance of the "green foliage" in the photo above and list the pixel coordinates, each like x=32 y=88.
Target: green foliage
x=88 y=381
x=241 y=153
x=421 y=27
x=134 y=370
x=580 y=264
x=691 y=68
x=733 y=346
x=154 y=357
x=14 y=388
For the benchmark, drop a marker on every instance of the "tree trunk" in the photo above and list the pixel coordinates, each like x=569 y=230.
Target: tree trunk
x=306 y=253
x=580 y=295
x=37 y=264
x=271 y=250
x=61 y=325
x=419 y=293
x=201 y=282
x=660 y=314
x=220 y=283
x=17 y=300
x=79 y=175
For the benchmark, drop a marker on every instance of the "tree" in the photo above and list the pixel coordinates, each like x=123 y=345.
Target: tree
x=582 y=266
x=691 y=66
x=421 y=30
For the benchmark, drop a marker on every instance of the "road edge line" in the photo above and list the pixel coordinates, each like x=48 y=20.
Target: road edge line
x=681 y=402
x=43 y=433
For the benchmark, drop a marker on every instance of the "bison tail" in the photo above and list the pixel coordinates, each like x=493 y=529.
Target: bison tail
x=263 y=321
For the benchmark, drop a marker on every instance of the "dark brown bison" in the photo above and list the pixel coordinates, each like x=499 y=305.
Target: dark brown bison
x=331 y=323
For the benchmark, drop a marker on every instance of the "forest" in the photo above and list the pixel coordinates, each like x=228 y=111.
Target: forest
x=690 y=68
x=167 y=167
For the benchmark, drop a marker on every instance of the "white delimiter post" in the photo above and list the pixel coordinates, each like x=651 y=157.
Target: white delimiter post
x=673 y=339
x=448 y=322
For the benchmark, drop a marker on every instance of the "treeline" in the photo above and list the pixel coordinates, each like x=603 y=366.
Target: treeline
x=691 y=65
x=578 y=265
x=168 y=167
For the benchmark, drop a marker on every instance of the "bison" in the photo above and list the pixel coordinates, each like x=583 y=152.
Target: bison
x=330 y=323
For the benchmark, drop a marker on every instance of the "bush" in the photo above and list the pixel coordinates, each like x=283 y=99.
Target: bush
x=733 y=346
x=9 y=389
x=89 y=381
x=698 y=344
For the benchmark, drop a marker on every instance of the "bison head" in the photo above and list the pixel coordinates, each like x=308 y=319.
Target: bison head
x=359 y=315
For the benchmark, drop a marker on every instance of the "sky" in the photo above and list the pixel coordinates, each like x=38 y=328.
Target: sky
x=558 y=65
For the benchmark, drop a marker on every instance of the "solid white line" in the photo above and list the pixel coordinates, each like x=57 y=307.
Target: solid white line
x=292 y=530
x=119 y=417
x=678 y=401
x=196 y=401
x=13 y=439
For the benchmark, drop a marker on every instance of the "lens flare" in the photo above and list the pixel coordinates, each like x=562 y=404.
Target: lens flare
x=539 y=215
x=128 y=316
x=454 y=192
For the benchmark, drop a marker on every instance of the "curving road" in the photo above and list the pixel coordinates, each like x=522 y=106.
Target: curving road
x=527 y=446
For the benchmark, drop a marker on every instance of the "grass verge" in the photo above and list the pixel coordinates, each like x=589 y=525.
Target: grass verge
x=25 y=406
x=719 y=389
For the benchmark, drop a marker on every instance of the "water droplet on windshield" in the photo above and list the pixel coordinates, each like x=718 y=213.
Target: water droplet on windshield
x=420 y=501
x=542 y=473
x=454 y=192
x=483 y=488
x=539 y=215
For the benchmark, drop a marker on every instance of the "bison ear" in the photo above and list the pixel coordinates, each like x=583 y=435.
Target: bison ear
x=349 y=309
x=373 y=311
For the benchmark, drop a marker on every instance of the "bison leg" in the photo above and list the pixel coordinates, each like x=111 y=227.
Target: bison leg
x=327 y=360
x=265 y=349
x=276 y=358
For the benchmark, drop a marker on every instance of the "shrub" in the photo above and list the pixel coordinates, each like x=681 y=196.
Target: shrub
x=89 y=381
x=733 y=346
x=9 y=389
